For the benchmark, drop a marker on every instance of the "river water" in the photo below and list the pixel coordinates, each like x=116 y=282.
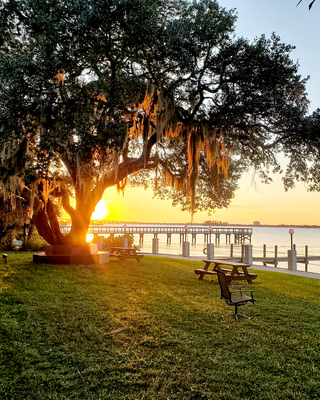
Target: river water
x=269 y=236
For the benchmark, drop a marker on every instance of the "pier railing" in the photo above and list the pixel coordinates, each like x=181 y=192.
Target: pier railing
x=274 y=259
x=238 y=235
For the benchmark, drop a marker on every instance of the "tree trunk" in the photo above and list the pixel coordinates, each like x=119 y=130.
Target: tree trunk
x=80 y=222
x=77 y=236
x=46 y=221
x=80 y=216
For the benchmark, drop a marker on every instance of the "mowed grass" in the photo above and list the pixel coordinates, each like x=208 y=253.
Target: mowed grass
x=152 y=330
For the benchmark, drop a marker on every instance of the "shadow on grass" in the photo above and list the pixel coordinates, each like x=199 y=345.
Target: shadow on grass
x=152 y=330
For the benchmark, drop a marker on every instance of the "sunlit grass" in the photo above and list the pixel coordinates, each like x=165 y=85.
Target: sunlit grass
x=152 y=330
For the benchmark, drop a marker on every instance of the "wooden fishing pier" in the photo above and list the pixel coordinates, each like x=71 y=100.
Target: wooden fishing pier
x=211 y=234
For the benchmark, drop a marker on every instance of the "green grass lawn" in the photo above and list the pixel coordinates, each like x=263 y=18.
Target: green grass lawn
x=152 y=330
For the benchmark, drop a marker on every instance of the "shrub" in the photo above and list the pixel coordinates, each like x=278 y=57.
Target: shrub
x=6 y=240
x=116 y=241
x=34 y=243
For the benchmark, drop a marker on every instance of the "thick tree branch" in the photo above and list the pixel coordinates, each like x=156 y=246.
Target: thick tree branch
x=54 y=223
x=127 y=167
x=67 y=205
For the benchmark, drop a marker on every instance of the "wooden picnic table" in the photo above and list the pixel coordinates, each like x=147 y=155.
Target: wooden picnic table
x=124 y=253
x=233 y=274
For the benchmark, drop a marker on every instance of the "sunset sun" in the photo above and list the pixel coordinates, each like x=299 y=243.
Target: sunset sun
x=101 y=211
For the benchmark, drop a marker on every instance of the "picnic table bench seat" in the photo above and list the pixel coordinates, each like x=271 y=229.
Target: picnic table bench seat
x=240 y=275
x=199 y=271
x=233 y=274
x=138 y=256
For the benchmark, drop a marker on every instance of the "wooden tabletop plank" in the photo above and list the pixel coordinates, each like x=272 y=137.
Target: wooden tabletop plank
x=227 y=262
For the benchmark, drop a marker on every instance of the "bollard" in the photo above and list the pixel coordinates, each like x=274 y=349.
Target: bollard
x=292 y=260
x=210 y=251
x=100 y=243
x=186 y=249
x=247 y=259
x=155 y=246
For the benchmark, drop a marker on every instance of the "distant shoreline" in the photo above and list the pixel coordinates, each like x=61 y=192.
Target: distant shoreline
x=222 y=225
x=265 y=226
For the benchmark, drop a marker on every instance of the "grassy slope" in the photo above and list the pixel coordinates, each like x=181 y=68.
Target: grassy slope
x=152 y=330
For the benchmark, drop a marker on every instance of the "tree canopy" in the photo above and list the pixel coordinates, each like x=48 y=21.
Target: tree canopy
x=93 y=92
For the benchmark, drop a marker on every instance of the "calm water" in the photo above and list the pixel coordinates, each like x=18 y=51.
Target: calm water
x=270 y=236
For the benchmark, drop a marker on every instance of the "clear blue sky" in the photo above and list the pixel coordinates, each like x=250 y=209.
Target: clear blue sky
x=295 y=25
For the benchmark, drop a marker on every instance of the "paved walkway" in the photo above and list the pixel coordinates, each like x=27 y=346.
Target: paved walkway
x=312 y=275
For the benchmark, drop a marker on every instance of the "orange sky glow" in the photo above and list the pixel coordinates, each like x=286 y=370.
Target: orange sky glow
x=269 y=204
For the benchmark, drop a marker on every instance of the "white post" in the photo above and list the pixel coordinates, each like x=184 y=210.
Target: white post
x=185 y=249
x=248 y=254
x=125 y=241
x=155 y=246
x=100 y=243
x=185 y=244
x=292 y=260
x=210 y=251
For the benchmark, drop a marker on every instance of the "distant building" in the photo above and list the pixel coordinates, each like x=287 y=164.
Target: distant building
x=256 y=223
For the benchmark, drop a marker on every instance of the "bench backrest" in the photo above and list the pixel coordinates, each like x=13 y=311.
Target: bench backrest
x=225 y=292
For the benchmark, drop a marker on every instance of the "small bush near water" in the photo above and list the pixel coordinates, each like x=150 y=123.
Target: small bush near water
x=153 y=330
x=116 y=241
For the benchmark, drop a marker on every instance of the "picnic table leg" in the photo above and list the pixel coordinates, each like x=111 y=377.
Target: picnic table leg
x=247 y=275
x=234 y=271
x=202 y=274
x=217 y=267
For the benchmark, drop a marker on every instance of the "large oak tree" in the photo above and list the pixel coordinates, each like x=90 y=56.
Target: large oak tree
x=93 y=92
